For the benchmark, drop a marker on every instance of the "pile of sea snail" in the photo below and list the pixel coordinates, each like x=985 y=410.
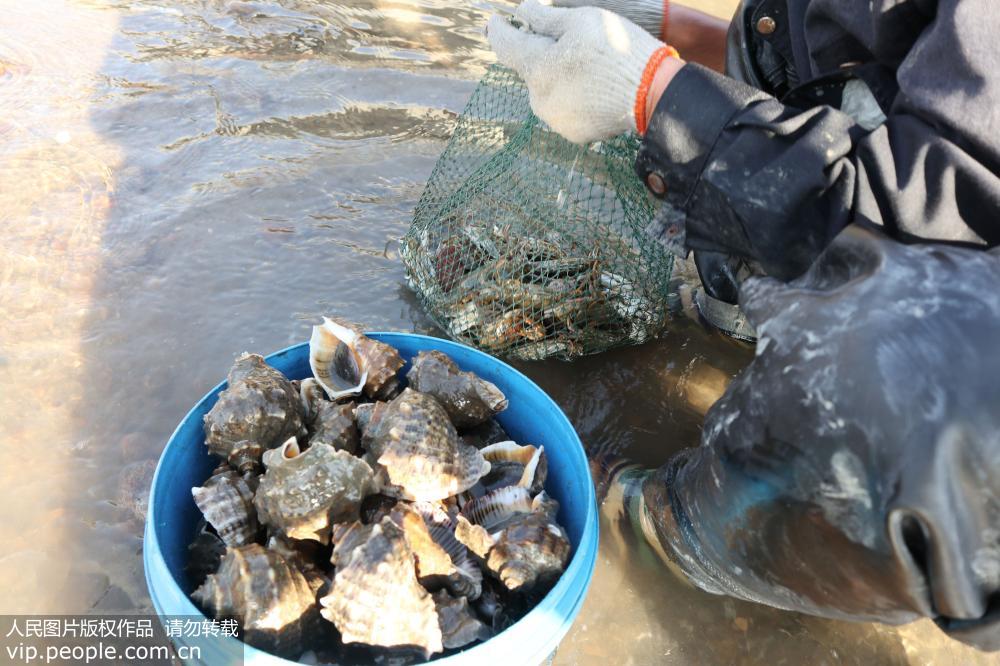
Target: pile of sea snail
x=355 y=519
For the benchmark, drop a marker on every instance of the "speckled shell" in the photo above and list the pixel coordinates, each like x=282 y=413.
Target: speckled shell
x=436 y=567
x=302 y=496
x=346 y=362
x=364 y=414
x=531 y=460
x=417 y=452
x=497 y=508
x=226 y=501
x=260 y=407
x=334 y=425
x=468 y=399
x=375 y=597
x=245 y=457
x=383 y=363
x=270 y=599
x=530 y=551
x=459 y=626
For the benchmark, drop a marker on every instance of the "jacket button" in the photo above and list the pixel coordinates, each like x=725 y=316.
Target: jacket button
x=656 y=184
x=766 y=25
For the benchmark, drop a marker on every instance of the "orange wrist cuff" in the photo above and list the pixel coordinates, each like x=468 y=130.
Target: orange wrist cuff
x=652 y=65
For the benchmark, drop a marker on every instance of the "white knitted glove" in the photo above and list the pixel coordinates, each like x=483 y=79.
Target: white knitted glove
x=647 y=14
x=582 y=66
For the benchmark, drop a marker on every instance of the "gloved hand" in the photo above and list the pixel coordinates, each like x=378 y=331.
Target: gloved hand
x=647 y=14
x=584 y=67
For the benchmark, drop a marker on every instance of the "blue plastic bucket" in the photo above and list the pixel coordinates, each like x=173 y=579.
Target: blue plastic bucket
x=532 y=417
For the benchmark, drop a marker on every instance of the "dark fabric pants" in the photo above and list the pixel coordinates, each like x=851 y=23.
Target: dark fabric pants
x=853 y=469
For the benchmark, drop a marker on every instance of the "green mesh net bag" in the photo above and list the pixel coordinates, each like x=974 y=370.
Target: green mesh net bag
x=528 y=246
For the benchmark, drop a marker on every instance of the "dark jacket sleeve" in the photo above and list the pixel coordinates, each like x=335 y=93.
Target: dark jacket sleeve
x=748 y=175
x=852 y=470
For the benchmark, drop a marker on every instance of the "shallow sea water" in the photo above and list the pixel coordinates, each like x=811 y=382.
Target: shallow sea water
x=184 y=180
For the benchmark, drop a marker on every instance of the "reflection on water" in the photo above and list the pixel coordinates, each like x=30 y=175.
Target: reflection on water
x=181 y=181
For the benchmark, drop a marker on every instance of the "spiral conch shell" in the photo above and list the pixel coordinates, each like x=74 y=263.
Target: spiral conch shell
x=328 y=422
x=468 y=399
x=497 y=508
x=437 y=566
x=513 y=464
x=334 y=425
x=258 y=411
x=442 y=528
x=271 y=599
x=417 y=451
x=302 y=494
x=375 y=597
x=226 y=501
x=383 y=363
x=529 y=551
x=346 y=362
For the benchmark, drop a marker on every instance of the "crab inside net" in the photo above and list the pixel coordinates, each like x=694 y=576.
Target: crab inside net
x=528 y=246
